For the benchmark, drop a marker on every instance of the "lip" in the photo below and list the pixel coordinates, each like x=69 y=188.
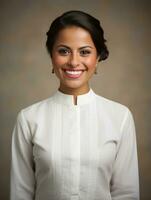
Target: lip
x=66 y=69
x=71 y=73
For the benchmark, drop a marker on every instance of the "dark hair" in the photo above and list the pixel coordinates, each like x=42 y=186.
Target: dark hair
x=83 y=20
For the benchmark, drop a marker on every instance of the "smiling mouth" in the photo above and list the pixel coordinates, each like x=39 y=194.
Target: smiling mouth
x=73 y=74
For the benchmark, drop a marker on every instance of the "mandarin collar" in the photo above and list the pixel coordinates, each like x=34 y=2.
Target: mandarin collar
x=66 y=99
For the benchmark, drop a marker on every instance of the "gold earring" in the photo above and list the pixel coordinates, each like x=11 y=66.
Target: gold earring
x=96 y=67
x=96 y=71
x=53 y=71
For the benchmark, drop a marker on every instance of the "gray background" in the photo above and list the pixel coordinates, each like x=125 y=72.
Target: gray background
x=25 y=67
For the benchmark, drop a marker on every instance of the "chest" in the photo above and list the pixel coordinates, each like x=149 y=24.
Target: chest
x=75 y=137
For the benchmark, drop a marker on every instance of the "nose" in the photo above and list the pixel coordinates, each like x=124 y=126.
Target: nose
x=74 y=60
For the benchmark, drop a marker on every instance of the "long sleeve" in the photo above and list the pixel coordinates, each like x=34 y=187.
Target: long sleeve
x=22 y=166
x=63 y=151
x=125 y=178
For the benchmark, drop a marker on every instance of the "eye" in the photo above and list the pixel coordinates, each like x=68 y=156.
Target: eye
x=85 y=52
x=63 y=51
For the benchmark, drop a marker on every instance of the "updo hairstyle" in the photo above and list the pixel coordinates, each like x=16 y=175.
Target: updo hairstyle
x=83 y=20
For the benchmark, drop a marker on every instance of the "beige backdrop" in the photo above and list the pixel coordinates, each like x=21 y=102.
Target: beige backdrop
x=25 y=68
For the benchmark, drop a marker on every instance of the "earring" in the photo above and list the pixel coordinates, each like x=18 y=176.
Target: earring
x=96 y=67
x=96 y=71
x=53 y=71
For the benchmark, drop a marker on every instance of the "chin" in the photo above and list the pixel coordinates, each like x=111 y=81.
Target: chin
x=73 y=85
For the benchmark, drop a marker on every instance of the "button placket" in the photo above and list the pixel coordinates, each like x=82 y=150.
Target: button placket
x=75 y=155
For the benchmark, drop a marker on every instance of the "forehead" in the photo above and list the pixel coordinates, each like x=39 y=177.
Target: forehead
x=74 y=35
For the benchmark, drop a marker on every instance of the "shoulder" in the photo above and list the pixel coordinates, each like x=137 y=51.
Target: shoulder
x=37 y=107
x=33 y=116
x=116 y=117
x=110 y=105
x=36 y=111
x=114 y=111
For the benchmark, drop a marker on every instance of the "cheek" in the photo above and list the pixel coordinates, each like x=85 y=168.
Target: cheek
x=58 y=61
x=91 y=63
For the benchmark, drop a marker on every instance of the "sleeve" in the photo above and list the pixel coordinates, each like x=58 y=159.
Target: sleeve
x=22 y=166
x=125 y=177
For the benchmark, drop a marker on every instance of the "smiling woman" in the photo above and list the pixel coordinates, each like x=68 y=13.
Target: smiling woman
x=75 y=145
x=74 y=58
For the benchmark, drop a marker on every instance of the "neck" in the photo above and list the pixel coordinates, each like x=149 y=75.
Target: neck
x=74 y=91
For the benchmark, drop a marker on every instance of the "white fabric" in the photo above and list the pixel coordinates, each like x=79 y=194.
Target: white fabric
x=62 y=151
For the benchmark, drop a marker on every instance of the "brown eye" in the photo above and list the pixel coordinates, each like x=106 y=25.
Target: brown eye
x=85 y=52
x=63 y=51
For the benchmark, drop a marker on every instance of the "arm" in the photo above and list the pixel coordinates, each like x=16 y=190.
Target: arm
x=125 y=180
x=22 y=166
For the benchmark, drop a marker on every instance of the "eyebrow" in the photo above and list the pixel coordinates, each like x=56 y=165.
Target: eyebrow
x=62 y=45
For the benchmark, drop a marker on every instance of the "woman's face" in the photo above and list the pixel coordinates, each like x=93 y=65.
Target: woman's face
x=74 y=58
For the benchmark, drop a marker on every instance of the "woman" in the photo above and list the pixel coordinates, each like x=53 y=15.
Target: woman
x=75 y=144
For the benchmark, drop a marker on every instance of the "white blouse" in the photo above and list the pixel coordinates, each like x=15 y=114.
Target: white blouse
x=62 y=151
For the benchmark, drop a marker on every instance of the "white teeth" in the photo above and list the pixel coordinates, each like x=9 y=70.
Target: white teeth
x=73 y=72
